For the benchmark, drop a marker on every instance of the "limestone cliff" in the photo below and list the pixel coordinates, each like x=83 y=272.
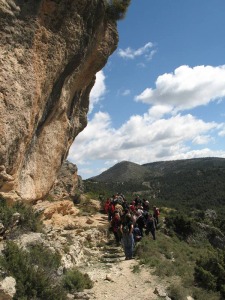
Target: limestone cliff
x=68 y=184
x=50 y=53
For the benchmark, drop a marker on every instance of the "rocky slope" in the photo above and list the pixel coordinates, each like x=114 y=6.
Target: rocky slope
x=50 y=53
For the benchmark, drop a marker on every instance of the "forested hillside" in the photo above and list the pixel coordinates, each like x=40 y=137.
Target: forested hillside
x=192 y=183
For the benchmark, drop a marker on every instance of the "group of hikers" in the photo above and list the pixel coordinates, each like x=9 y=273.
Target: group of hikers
x=130 y=221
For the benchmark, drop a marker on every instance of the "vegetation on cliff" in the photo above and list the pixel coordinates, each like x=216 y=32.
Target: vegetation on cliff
x=34 y=266
x=18 y=218
x=116 y=9
x=35 y=271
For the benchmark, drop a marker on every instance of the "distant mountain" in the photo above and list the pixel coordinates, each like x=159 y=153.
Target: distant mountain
x=177 y=166
x=189 y=183
x=128 y=171
x=123 y=172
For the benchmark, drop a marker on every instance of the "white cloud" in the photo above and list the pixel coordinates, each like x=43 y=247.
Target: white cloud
x=98 y=90
x=150 y=55
x=157 y=111
x=141 y=65
x=126 y=93
x=222 y=132
x=143 y=139
x=205 y=152
x=142 y=131
x=130 y=53
x=93 y=141
x=202 y=139
x=161 y=133
x=187 y=87
x=87 y=172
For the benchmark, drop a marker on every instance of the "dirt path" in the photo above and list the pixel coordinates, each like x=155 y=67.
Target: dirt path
x=120 y=282
x=114 y=277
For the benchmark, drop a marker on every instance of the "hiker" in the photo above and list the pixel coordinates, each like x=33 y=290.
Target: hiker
x=145 y=205
x=150 y=226
x=119 y=198
x=140 y=221
x=111 y=210
x=106 y=205
x=118 y=207
x=132 y=206
x=115 y=224
x=127 y=236
x=124 y=213
x=137 y=234
x=125 y=204
x=156 y=214
x=137 y=201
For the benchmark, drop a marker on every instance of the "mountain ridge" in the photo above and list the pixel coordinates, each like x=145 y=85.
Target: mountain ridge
x=128 y=171
x=181 y=184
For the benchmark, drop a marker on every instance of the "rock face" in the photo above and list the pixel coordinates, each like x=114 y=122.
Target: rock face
x=50 y=53
x=68 y=184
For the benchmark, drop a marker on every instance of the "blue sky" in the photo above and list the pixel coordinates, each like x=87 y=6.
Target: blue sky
x=161 y=95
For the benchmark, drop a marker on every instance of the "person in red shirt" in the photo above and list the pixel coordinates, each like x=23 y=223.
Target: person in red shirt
x=115 y=224
x=156 y=214
x=106 y=205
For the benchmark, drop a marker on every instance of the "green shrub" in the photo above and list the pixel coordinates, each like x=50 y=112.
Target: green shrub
x=169 y=256
x=202 y=294
x=210 y=272
x=177 y=292
x=221 y=225
x=28 y=220
x=205 y=278
x=87 y=207
x=222 y=290
x=181 y=225
x=116 y=9
x=74 y=280
x=136 y=269
x=34 y=271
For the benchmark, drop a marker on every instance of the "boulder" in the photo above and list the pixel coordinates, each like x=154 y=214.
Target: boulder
x=7 y=288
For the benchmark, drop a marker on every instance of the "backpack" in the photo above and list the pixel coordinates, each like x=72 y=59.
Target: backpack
x=111 y=208
x=126 y=229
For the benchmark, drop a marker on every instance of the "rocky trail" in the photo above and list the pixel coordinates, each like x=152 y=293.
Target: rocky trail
x=95 y=252
x=114 y=277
